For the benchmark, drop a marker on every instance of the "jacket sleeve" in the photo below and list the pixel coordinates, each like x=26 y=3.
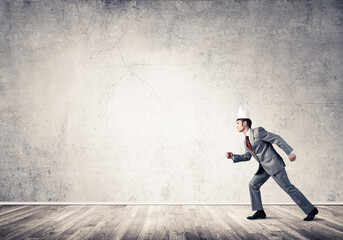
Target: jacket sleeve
x=274 y=139
x=244 y=157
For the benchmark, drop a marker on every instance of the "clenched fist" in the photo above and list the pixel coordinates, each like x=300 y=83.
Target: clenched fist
x=292 y=157
x=229 y=155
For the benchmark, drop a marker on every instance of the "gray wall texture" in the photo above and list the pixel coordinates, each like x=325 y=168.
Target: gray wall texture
x=136 y=101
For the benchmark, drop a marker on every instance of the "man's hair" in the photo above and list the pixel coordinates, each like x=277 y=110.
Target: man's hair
x=249 y=122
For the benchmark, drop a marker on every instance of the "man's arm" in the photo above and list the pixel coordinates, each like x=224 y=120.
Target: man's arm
x=240 y=158
x=275 y=139
x=237 y=157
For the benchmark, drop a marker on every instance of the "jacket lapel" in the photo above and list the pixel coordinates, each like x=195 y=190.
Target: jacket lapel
x=252 y=138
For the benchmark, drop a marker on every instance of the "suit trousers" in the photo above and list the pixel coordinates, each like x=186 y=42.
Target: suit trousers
x=282 y=180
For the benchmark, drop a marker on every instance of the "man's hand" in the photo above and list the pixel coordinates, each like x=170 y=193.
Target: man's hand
x=229 y=155
x=292 y=157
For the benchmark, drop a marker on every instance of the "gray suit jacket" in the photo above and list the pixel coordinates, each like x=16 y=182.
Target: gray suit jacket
x=264 y=152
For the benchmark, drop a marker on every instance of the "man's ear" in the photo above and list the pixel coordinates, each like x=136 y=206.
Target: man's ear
x=244 y=123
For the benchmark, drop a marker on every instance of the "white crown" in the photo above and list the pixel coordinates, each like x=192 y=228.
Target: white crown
x=243 y=113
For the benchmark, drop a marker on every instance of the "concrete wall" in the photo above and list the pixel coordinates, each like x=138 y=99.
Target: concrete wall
x=136 y=101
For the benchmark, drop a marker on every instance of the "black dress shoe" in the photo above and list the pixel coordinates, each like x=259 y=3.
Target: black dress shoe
x=311 y=215
x=257 y=215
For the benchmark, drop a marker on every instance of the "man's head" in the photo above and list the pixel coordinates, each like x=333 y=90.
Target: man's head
x=243 y=124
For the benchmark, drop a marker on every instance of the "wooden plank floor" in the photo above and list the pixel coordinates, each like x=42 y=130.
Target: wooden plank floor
x=166 y=222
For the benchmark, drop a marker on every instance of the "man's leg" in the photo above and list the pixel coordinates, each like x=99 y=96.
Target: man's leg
x=282 y=180
x=254 y=189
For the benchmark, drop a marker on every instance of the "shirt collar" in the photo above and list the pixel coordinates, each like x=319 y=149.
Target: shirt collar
x=248 y=133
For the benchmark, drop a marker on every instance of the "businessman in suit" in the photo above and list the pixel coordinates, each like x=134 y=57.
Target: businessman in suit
x=258 y=143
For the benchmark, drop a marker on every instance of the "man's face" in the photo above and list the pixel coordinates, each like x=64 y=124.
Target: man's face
x=240 y=126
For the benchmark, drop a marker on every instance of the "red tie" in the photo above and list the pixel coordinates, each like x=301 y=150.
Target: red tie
x=248 y=143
